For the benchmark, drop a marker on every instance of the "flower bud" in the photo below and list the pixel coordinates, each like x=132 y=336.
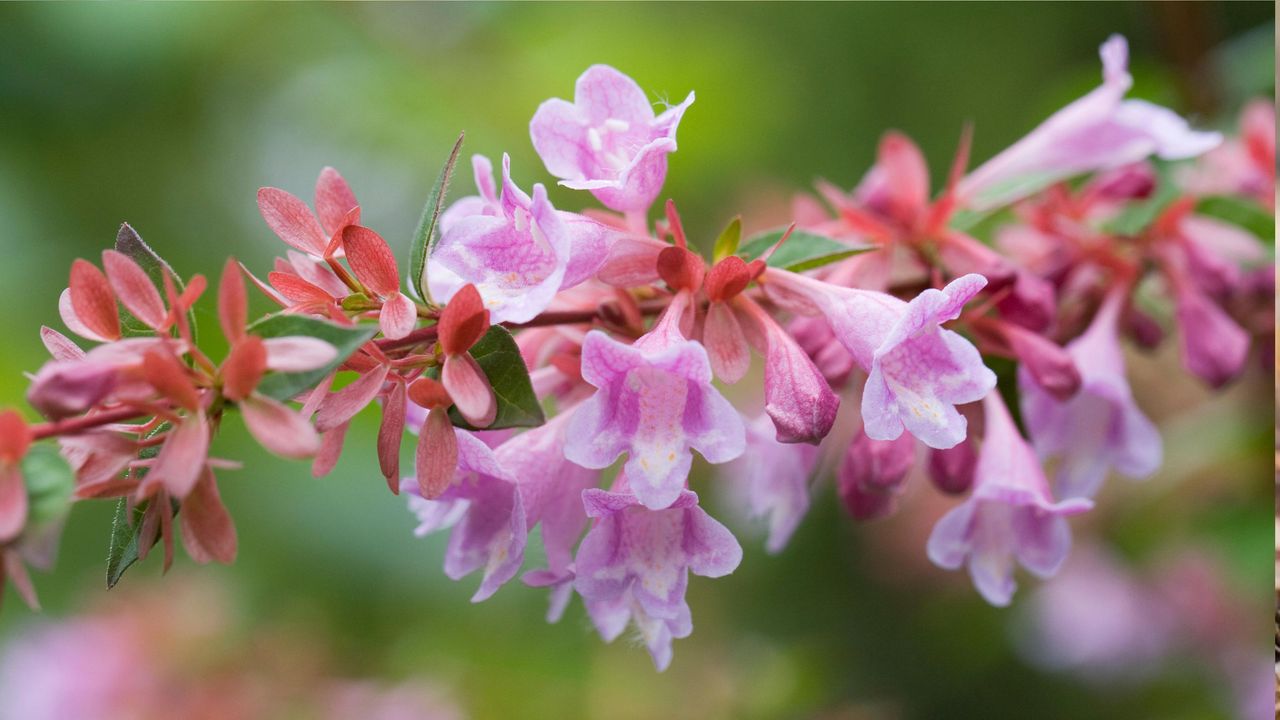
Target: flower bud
x=872 y=473
x=951 y=470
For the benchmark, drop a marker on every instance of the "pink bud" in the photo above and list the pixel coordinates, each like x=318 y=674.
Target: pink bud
x=1050 y=364
x=872 y=473
x=68 y=387
x=952 y=469
x=1214 y=347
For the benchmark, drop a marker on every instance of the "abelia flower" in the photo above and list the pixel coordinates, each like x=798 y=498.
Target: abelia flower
x=15 y=439
x=293 y=222
x=1214 y=346
x=1101 y=427
x=1243 y=165
x=375 y=267
x=482 y=505
x=1099 y=131
x=655 y=402
x=1052 y=366
x=797 y=396
x=636 y=561
x=550 y=488
x=918 y=372
x=1010 y=516
x=518 y=251
x=951 y=470
x=773 y=478
x=871 y=474
x=608 y=139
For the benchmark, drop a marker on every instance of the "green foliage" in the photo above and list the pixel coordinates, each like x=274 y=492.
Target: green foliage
x=801 y=251
x=1242 y=212
x=50 y=482
x=424 y=238
x=126 y=529
x=727 y=243
x=347 y=340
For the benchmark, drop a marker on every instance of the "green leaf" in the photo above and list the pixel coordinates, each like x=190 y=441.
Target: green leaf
x=499 y=357
x=966 y=220
x=131 y=244
x=727 y=243
x=1242 y=212
x=283 y=386
x=424 y=238
x=1012 y=189
x=801 y=251
x=124 y=546
x=50 y=482
x=125 y=531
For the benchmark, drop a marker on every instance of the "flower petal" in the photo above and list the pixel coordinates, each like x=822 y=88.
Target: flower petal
x=181 y=459
x=291 y=220
x=208 y=533
x=134 y=288
x=93 y=301
x=398 y=316
x=278 y=428
x=371 y=260
x=298 y=353
x=470 y=389
x=437 y=454
x=233 y=303
x=343 y=405
x=334 y=200
x=390 y=435
x=13 y=501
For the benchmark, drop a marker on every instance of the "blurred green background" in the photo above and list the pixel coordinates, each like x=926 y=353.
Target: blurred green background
x=171 y=116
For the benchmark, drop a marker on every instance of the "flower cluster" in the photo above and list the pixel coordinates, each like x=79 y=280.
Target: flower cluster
x=634 y=344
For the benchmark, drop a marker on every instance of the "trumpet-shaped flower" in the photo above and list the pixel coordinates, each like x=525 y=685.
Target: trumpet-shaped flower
x=486 y=514
x=636 y=562
x=1100 y=427
x=773 y=477
x=518 y=251
x=608 y=139
x=1010 y=515
x=918 y=372
x=654 y=401
x=1099 y=131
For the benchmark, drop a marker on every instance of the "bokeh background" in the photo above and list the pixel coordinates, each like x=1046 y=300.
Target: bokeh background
x=171 y=116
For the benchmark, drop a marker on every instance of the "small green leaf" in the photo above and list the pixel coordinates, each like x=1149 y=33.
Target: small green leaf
x=499 y=357
x=125 y=531
x=123 y=548
x=801 y=251
x=965 y=220
x=283 y=386
x=50 y=482
x=424 y=238
x=1240 y=211
x=727 y=243
x=1010 y=190
x=131 y=244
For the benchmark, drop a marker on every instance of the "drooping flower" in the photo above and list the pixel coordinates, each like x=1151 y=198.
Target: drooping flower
x=1101 y=427
x=486 y=513
x=1099 y=131
x=918 y=371
x=872 y=473
x=608 y=139
x=1010 y=516
x=655 y=402
x=773 y=477
x=636 y=562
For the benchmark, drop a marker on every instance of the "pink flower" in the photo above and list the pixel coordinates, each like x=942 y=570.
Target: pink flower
x=1244 y=165
x=374 y=266
x=1011 y=515
x=486 y=513
x=1100 y=427
x=1099 y=131
x=636 y=562
x=773 y=477
x=518 y=251
x=608 y=139
x=872 y=473
x=918 y=372
x=654 y=401
x=292 y=221
x=550 y=487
